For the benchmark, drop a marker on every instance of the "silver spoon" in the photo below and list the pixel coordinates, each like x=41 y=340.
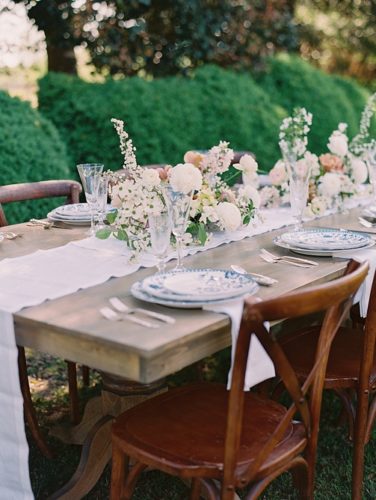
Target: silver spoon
x=259 y=278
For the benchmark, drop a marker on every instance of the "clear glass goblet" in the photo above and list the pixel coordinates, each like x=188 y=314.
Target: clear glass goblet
x=102 y=199
x=179 y=205
x=90 y=174
x=370 y=159
x=299 y=173
x=160 y=236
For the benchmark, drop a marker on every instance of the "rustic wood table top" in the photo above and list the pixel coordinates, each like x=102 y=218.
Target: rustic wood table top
x=72 y=328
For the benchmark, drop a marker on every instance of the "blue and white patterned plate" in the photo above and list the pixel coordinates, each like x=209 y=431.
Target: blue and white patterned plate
x=139 y=293
x=323 y=239
x=316 y=253
x=198 y=284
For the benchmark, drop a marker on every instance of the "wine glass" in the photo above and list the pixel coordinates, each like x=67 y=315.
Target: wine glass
x=179 y=206
x=160 y=235
x=90 y=174
x=370 y=158
x=102 y=202
x=299 y=172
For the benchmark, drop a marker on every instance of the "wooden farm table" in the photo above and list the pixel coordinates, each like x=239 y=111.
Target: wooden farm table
x=72 y=328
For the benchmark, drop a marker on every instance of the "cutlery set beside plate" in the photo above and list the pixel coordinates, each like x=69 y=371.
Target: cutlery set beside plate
x=323 y=242
x=193 y=288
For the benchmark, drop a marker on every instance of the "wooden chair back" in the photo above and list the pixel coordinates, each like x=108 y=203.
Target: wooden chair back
x=335 y=299
x=36 y=190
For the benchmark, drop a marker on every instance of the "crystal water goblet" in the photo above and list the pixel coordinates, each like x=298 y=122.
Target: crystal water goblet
x=90 y=174
x=102 y=199
x=160 y=236
x=179 y=205
x=299 y=173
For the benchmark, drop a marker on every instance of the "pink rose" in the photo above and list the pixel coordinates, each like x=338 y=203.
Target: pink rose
x=331 y=163
x=194 y=158
x=163 y=172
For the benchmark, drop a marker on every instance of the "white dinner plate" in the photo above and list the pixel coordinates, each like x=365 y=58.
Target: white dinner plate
x=138 y=292
x=325 y=239
x=317 y=253
x=70 y=222
x=199 y=284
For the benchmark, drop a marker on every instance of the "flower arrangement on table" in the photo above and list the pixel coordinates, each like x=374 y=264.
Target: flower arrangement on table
x=136 y=192
x=334 y=175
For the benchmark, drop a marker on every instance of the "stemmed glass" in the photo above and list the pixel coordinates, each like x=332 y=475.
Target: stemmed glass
x=179 y=206
x=90 y=174
x=160 y=235
x=370 y=158
x=102 y=202
x=299 y=172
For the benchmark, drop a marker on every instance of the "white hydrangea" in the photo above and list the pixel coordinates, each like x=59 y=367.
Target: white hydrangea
x=319 y=205
x=229 y=216
x=330 y=185
x=185 y=178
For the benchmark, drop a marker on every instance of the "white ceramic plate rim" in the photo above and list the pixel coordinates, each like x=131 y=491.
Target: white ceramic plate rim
x=140 y=294
x=318 y=253
x=311 y=246
x=170 y=295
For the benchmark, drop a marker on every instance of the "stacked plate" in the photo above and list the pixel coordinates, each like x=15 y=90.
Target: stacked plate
x=369 y=214
x=322 y=241
x=77 y=214
x=193 y=288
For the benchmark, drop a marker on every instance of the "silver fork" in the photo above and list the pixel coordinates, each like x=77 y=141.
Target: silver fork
x=289 y=257
x=271 y=260
x=112 y=315
x=123 y=308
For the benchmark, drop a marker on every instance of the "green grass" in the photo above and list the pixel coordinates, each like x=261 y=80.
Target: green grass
x=333 y=480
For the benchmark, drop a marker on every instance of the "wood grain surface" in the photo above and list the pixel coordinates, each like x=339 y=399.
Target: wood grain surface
x=71 y=327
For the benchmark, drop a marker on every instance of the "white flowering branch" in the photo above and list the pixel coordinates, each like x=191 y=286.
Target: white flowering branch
x=126 y=147
x=362 y=141
x=293 y=133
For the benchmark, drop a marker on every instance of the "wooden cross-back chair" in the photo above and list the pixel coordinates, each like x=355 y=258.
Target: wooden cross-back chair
x=227 y=440
x=351 y=374
x=31 y=191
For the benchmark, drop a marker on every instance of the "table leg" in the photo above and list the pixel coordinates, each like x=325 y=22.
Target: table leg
x=118 y=395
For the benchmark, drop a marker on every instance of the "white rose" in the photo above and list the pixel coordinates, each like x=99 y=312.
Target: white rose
x=359 y=171
x=278 y=174
x=185 y=177
x=150 y=177
x=248 y=165
x=330 y=185
x=229 y=215
x=251 y=193
x=337 y=144
x=313 y=162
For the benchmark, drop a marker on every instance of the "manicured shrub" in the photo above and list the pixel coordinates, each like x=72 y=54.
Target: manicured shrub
x=30 y=150
x=291 y=82
x=165 y=117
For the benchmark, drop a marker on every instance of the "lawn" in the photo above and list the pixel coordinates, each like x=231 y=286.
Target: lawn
x=48 y=381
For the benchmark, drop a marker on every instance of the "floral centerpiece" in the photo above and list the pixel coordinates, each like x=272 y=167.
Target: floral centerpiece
x=137 y=191
x=334 y=175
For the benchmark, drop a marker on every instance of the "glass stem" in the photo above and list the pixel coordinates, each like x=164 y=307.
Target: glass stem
x=179 y=255
x=161 y=265
x=92 y=222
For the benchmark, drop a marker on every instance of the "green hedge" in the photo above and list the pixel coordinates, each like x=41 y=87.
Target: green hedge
x=165 y=117
x=290 y=82
x=30 y=150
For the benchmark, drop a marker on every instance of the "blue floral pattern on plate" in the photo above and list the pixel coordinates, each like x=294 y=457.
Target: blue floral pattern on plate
x=325 y=239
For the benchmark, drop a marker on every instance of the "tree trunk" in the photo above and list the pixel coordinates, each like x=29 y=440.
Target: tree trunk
x=61 y=60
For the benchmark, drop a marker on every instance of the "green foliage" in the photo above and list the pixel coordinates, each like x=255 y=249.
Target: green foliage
x=292 y=82
x=30 y=150
x=164 y=117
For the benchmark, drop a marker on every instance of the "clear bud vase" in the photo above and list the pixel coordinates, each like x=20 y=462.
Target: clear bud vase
x=179 y=206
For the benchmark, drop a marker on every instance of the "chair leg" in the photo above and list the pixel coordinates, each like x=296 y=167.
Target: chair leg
x=29 y=410
x=348 y=406
x=86 y=375
x=131 y=480
x=73 y=392
x=359 y=444
x=195 y=489
x=371 y=419
x=120 y=463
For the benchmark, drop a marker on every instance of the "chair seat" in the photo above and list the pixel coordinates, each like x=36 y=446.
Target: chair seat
x=345 y=353
x=184 y=430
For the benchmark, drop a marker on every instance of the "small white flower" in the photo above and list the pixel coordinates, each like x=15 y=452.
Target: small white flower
x=185 y=178
x=319 y=205
x=150 y=177
x=250 y=193
x=330 y=185
x=229 y=216
x=342 y=127
x=338 y=144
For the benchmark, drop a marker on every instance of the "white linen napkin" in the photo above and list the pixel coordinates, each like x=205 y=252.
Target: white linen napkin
x=259 y=365
x=14 y=451
x=363 y=294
